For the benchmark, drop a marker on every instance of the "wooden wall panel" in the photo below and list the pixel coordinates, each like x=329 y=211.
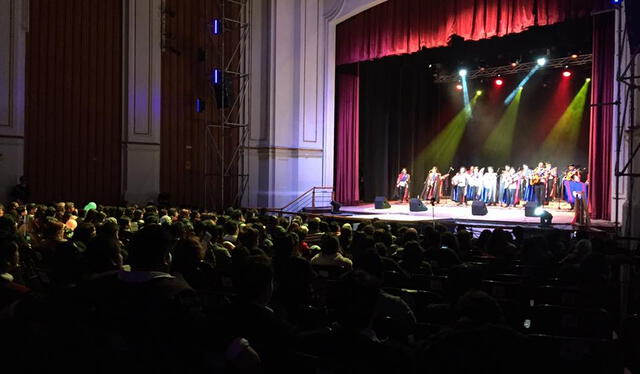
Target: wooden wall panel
x=74 y=100
x=183 y=131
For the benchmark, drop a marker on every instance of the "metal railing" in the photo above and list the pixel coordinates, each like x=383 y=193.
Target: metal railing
x=315 y=197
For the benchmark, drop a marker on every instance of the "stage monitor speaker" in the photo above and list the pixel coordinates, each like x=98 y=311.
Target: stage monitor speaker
x=335 y=206
x=416 y=205
x=530 y=209
x=382 y=203
x=478 y=208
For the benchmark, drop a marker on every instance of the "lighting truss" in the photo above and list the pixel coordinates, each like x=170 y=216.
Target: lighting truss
x=519 y=68
x=224 y=166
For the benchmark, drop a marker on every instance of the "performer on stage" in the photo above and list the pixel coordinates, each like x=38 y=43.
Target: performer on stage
x=511 y=187
x=552 y=178
x=539 y=182
x=572 y=175
x=474 y=183
x=433 y=185
x=489 y=184
x=526 y=189
x=402 y=185
x=458 y=184
x=502 y=185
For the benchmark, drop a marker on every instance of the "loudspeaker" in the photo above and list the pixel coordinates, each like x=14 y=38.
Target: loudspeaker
x=530 y=209
x=478 y=208
x=382 y=203
x=415 y=205
x=224 y=92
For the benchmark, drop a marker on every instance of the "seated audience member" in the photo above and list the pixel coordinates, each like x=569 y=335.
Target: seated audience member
x=293 y=274
x=413 y=259
x=188 y=262
x=84 y=233
x=479 y=342
x=10 y=291
x=330 y=253
x=353 y=344
x=437 y=254
x=230 y=232
x=104 y=255
x=250 y=316
x=150 y=319
x=388 y=305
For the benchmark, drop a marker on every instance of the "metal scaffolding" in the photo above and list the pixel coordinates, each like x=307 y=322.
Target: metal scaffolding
x=625 y=102
x=226 y=139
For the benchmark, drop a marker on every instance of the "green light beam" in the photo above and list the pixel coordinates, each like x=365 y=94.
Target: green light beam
x=498 y=145
x=563 y=137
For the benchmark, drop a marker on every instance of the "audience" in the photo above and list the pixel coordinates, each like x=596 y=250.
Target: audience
x=170 y=289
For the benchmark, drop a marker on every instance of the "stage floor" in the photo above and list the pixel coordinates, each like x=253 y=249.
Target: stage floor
x=452 y=213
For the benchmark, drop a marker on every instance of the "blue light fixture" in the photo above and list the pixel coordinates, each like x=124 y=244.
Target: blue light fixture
x=216 y=26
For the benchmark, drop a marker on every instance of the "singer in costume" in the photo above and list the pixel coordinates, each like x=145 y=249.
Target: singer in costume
x=433 y=185
x=402 y=185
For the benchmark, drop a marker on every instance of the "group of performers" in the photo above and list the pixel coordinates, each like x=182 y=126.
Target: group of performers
x=506 y=187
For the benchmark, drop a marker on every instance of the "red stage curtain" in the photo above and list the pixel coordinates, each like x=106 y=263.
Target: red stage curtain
x=600 y=136
x=405 y=26
x=347 y=134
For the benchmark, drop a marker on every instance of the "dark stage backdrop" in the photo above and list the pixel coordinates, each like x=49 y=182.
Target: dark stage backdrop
x=402 y=111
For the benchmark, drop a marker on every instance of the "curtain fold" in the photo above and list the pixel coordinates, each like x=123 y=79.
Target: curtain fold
x=601 y=126
x=346 y=136
x=406 y=26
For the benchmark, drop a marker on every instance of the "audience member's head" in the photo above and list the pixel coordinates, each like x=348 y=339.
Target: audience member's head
x=150 y=249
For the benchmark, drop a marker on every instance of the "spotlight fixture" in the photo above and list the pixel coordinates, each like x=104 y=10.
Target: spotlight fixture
x=462 y=72
x=459 y=87
x=541 y=61
x=566 y=74
x=498 y=82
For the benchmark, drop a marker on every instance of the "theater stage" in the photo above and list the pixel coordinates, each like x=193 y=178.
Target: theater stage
x=450 y=213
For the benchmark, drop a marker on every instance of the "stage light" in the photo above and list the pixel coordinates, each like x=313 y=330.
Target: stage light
x=541 y=61
x=459 y=87
x=463 y=72
x=216 y=76
x=200 y=105
x=588 y=80
x=479 y=92
x=566 y=74
x=499 y=82
x=216 y=26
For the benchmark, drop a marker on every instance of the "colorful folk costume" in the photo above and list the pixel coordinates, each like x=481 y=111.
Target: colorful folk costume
x=489 y=187
x=459 y=185
x=474 y=184
x=526 y=189
x=570 y=175
x=402 y=186
x=433 y=186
